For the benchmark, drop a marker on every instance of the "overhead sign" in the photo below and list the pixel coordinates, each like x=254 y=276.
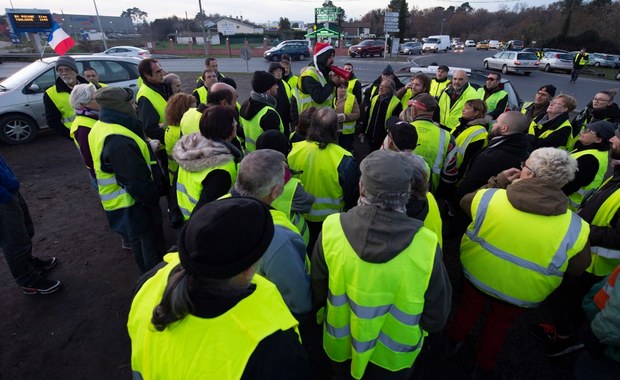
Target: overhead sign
x=29 y=20
x=326 y=14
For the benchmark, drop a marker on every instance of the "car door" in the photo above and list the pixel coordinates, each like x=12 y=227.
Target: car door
x=495 y=61
x=34 y=91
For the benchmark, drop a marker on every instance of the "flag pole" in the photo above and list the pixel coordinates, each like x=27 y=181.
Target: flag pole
x=43 y=50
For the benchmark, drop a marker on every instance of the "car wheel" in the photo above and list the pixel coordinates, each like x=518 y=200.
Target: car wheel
x=486 y=65
x=381 y=53
x=504 y=69
x=17 y=129
x=547 y=68
x=302 y=57
x=597 y=64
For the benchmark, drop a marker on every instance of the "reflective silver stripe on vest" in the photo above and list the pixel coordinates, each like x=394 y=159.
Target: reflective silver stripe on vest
x=328 y=201
x=185 y=211
x=442 y=142
x=468 y=140
x=607 y=253
x=361 y=347
x=370 y=312
x=248 y=140
x=322 y=212
x=107 y=181
x=110 y=196
x=559 y=258
x=182 y=189
x=67 y=119
x=497 y=294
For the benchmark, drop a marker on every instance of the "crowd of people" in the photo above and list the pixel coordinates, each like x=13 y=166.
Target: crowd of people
x=311 y=217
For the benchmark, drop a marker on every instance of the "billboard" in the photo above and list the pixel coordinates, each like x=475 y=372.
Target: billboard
x=29 y=20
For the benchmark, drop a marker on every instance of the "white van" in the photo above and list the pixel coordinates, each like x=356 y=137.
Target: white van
x=437 y=43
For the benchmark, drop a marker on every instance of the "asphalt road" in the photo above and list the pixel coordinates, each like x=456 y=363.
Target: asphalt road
x=368 y=69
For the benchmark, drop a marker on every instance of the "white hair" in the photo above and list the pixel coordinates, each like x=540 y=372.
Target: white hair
x=553 y=164
x=82 y=94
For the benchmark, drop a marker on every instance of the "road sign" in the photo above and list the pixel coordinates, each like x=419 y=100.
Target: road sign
x=227 y=29
x=246 y=53
x=29 y=20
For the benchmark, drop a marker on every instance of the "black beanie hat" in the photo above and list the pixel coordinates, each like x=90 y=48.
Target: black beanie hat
x=273 y=66
x=262 y=81
x=273 y=139
x=549 y=88
x=225 y=237
x=66 y=61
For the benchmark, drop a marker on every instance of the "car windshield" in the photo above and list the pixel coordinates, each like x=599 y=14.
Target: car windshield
x=527 y=56
x=432 y=41
x=24 y=75
x=367 y=42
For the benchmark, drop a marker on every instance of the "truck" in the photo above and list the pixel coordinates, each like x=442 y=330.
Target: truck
x=437 y=43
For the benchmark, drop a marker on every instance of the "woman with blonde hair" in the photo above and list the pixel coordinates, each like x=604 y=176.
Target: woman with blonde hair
x=177 y=105
x=471 y=133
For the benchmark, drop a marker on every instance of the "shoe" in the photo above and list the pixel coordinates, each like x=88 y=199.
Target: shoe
x=452 y=348
x=125 y=245
x=42 y=286
x=563 y=346
x=543 y=331
x=43 y=264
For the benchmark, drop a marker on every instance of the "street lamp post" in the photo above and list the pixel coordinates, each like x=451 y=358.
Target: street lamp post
x=442 y=21
x=105 y=45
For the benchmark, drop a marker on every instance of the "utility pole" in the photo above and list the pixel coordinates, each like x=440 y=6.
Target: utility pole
x=202 y=27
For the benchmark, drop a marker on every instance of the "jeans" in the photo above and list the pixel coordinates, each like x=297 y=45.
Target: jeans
x=16 y=232
x=575 y=74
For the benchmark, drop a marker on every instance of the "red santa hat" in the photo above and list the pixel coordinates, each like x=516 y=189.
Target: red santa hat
x=322 y=47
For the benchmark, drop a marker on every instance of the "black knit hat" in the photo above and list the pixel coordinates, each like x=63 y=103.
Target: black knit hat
x=273 y=139
x=262 y=81
x=273 y=66
x=404 y=135
x=549 y=88
x=225 y=237
x=66 y=61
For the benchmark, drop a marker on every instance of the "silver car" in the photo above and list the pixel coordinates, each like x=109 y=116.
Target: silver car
x=410 y=48
x=553 y=61
x=127 y=51
x=512 y=62
x=22 y=112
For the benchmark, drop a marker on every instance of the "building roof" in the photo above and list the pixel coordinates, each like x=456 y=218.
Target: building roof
x=239 y=21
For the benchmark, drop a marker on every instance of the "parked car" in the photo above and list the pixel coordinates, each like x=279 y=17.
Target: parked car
x=494 y=44
x=512 y=62
x=298 y=50
x=437 y=43
x=514 y=45
x=368 y=48
x=482 y=45
x=22 y=112
x=470 y=43
x=127 y=51
x=546 y=50
x=602 y=60
x=554 y=61
x=476 y=78
x=410 y=48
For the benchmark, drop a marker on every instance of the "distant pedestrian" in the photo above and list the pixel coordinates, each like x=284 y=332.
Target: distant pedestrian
x=579 y=62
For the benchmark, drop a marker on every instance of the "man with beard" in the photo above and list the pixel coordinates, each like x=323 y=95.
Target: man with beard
x=316 y=86
x=452 y=100
x=59 y=114
x=541 y=102
x=372 y=90
x=440 y=82
x=419 y=84
x=383 y=105
x=507 y=149
x=591 y=153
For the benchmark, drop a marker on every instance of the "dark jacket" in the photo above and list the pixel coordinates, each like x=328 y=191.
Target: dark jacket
x=148 y=114
x=122 y=156
x=53 y=116
x=9 y=184
x=283 y=106
x=373 y=90
x=587 y=166
x=556 y=139
x=590 y=115
x=375 y=123
x=279 y=356
x=503 y=152
x=270 y=120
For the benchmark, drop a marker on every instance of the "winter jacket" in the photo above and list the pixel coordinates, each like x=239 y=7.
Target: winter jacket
x=53 y=117
x=9 y=184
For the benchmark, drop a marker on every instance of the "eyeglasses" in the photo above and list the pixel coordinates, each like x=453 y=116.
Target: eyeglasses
x=523 y=165
x=601 y=100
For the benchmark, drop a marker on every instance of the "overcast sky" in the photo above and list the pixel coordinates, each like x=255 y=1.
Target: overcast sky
x=258 y=11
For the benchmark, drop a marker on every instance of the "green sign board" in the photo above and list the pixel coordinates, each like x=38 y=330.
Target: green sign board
x=326 y=14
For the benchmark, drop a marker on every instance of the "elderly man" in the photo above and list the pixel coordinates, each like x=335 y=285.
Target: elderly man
x=494 y=95
x=372 y=90
x=355 y=274
x=59 y=114
x=509 y=264
x=261 y=176
x=126 y=173
x=541 y=101
x=315 y=87
x=440 y=82
x=173 y=81
x=383 y=105
x=152 y=97
x=209 y=292
x=452 y=100
x=201 y=93
x=258 y=113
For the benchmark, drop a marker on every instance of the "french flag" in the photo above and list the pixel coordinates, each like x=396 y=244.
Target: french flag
x=60 y=41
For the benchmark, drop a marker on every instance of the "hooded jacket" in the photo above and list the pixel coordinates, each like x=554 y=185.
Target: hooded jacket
x=195 y=152
x=377 y=236
x=310 y=86
x=256 y=102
